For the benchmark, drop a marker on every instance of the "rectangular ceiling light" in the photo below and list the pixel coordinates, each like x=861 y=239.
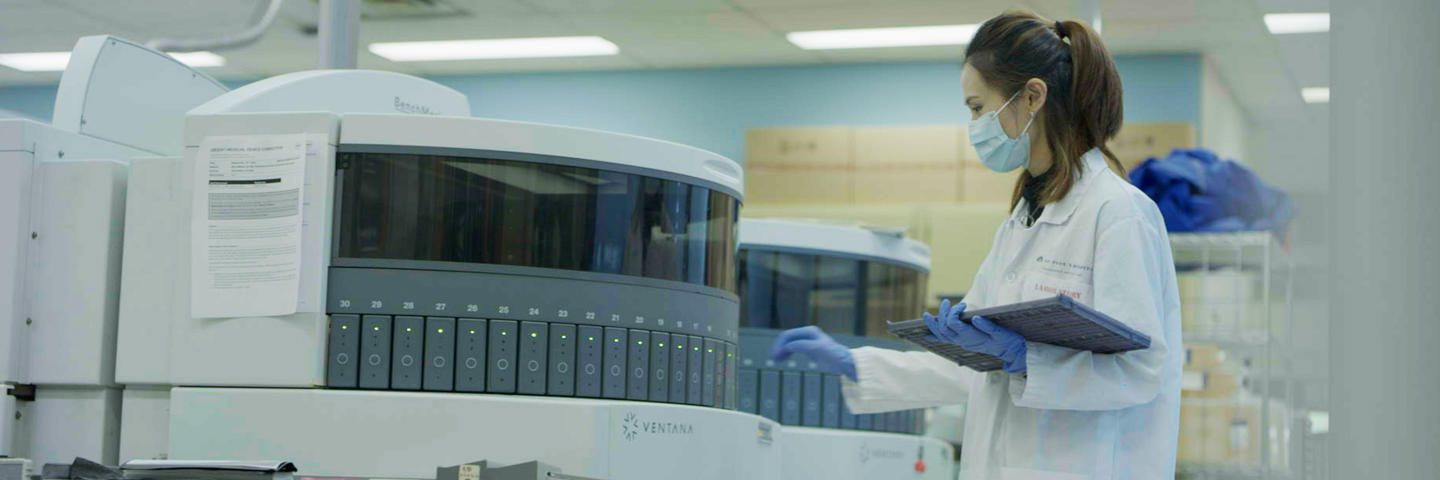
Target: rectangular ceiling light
x=1315 y=94
x=56 y=61
x=537 y=47
x=200 y=59
x=1283 y=23
x=883 y=37
x=36 y=61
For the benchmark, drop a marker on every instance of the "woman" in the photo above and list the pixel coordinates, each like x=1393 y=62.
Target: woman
x=1077 y=228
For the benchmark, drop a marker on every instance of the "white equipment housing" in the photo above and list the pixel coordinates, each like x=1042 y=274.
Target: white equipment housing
x=806 y=261
x=62 y=211
x=205 y=367
x=406 y=434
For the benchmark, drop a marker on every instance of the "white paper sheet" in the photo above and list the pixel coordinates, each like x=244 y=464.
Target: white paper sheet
x=315 y=208
x=246 y=226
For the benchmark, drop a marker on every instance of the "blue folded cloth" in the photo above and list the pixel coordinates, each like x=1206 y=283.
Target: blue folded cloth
x=1198 y=192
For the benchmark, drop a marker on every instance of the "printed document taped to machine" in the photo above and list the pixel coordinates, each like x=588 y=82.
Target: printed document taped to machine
x=245 y=235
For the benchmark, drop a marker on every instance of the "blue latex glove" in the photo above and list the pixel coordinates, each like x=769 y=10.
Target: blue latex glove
x=815 y=344
x=980 y=335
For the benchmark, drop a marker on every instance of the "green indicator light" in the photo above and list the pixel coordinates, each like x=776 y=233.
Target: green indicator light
x=377 y=329
x=616 y=340
x=590 y=338
x=344 y=327
x=562 y=337
x=504 y=333
x=407 y=329
x=709 y=350
x=659 y=344
x=697 y=349
x=472 y=332
x=533 y=334
x=637 y=342
x=682 y=347
x=439 y=330
x=729 y=355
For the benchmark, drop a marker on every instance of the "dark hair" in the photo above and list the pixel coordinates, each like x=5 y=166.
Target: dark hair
x=1084 y=104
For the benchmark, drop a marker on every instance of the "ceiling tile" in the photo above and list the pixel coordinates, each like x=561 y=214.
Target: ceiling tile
x=951 y=53
x=467 y=27
x=44 y=20
x=1294 y=6
x=878 y=14
x=495 y=7
x=1307 y=57
x=689 y=39
x=480 y=67
x=596 y=6
x=167 y=17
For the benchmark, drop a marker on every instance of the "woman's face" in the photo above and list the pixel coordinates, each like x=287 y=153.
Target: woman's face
x=980 y=99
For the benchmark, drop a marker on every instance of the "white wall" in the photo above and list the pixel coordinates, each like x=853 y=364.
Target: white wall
x=1223 y=124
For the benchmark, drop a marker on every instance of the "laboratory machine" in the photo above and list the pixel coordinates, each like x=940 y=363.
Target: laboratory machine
x=347 y=271
x=848 y=280
x=62 y=215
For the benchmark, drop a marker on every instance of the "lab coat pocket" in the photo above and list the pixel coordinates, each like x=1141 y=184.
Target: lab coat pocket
x=1010 y=473
x=1043 y=285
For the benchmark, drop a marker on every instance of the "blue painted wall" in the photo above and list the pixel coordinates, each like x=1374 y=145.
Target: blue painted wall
x=711 y=108
x=37 y=101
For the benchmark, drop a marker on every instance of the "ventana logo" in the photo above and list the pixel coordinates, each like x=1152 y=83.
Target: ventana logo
x=403 y=106
x=867 y=453
x=632 y=426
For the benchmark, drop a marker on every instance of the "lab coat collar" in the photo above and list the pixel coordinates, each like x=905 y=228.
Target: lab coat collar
x=1093 y=165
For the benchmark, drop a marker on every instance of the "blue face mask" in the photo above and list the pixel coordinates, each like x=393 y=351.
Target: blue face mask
x=997 y=150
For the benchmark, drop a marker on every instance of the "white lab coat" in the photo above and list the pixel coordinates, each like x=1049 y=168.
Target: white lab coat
x=1075 y=414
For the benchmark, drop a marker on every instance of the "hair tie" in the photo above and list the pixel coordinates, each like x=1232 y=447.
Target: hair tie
x=1060 y=28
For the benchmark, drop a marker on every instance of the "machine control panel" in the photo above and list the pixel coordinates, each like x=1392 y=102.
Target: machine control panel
x=407 y=353
x=561 y=376
x=798 y=392
x=476 y=355
x=439 y=360
x=343 y=354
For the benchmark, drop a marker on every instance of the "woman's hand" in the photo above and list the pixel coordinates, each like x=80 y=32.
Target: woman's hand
x=980 y=335
x=816 y=345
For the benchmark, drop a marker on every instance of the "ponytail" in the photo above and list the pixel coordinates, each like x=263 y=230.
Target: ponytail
x=1096 y=96
x=1084 y=108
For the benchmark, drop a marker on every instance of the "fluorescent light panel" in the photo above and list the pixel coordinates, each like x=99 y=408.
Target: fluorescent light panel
x=1315 y=94
x=883 y=37
x=36 y=61
x=199 y=59
x=56 y=61
x=537 y=47
x=1283 y=23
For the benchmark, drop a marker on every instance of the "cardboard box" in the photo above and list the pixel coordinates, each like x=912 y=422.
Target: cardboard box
x=1189 y=448
x=1214 y=384
x=1244 y=432
x=979 y=184
x=899 y=216
x=1137 y=142
x=780 y=184
x=959 y=237
x=1203 y=356
x=1219 y=285
x=906 y=164
x=1219 y=433
x=906 y=184
x=800 y=145
x=813 y=165
x=918 y=145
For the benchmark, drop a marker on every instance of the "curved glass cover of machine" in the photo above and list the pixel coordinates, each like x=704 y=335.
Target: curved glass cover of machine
x=506 y=212
x=841 y=295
